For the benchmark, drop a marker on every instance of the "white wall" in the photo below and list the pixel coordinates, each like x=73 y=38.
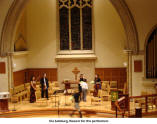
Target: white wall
x=4 y=77
x=65 y=68
x=109 y=35
x=137 y=77
x=41 y=33
x=4 y=6
x=139 y=83
x=20 y=62
x=144 y=13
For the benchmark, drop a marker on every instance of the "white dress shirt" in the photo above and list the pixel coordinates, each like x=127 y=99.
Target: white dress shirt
x=45 y=83
x=84 y=85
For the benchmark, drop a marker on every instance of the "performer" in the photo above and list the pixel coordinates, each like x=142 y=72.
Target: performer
x=44 y=86
x=84 y=87
x=32 y=90
x=97 y=85
x=81 y=77
x=76 y=96
x=79 y=85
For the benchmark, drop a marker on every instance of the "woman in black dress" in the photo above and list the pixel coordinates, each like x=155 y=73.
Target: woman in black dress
x=32 y=90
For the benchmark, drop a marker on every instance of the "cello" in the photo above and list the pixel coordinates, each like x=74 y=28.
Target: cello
x=97 y=86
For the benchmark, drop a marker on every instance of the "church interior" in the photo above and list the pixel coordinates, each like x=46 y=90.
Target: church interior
x=57 y=41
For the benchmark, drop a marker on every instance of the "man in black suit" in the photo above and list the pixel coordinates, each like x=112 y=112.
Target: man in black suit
x=44 y=86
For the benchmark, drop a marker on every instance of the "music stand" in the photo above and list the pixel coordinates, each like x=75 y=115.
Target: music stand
x=54 y=95
x=65 y=94
x=58 y=108
x=14 y=101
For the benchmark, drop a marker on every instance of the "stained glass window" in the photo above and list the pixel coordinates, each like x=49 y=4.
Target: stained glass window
x=87 y=28
x=64 y=29
x=75 y=24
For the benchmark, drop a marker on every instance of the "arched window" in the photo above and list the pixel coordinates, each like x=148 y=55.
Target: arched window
x=151 y=56
x=75 y=24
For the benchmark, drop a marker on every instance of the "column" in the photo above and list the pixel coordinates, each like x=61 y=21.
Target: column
x=10 y=71
x=129 y=72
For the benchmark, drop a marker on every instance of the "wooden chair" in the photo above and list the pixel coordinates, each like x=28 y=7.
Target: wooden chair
x=14 y=99
x=150 y=103
x=123 y=89
x=95 y=99
x=104 y=92
x=106 y=82
x=20 y=92
x=113 y=85
x=55 y=85
x=105 y=86
x=50 y=90
x=27 y=87
x=141 y=102
x=27 y=84
x=54 y=99
x=91 y=89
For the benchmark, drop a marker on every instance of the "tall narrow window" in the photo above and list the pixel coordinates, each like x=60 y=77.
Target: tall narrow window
x=75 y=24
x=151 y=56
x=64 y=28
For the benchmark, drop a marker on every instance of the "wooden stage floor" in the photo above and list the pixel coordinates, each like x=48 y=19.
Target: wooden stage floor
x=49 y=109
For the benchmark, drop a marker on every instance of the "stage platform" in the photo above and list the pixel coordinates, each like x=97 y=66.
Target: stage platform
x=62 y=108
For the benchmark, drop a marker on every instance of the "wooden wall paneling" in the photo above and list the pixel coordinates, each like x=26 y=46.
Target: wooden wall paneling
x=107 y=74
x=2 y=68
x=19 y=77
x=30 y=74
x=113 y=74
x=138 y=66
x=100 y=72
x=51 y=73
x=24 y=76
x=121 y=78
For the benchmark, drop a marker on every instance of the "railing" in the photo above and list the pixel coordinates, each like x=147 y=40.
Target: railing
x=148 y=104
x=122 y=105
x=118 y=104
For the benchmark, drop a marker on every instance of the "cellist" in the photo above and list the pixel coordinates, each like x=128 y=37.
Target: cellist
x=97 y=85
